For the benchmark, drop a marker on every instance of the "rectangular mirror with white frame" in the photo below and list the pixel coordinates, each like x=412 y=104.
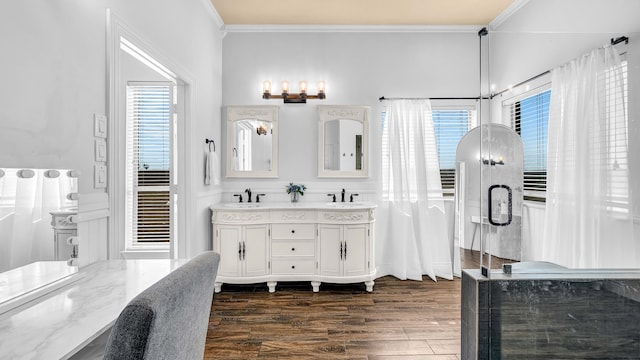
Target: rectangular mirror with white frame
x=252 y=141
x=343 y=141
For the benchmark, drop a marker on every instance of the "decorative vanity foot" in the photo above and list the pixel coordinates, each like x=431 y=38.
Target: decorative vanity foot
x=316 y=286
x=217 y=287
x=272 y=286
x=369 y=285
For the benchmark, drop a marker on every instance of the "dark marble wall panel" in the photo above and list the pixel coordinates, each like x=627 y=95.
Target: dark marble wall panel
x=563 y=319
x=475 y=316
x=552 y=319
x=469 y=317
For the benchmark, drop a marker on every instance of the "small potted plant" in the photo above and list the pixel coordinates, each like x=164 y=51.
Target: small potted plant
x=294 y=189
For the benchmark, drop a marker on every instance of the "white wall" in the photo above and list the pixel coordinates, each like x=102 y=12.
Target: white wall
x=358 y=68
x=53 y=65
x=544 y=34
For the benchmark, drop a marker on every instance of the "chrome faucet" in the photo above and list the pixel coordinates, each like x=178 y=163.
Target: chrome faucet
x=333 y=197
x=248 y=191
x=351 y=197
x=238 y=195
x=342 y=197
x=258 y=197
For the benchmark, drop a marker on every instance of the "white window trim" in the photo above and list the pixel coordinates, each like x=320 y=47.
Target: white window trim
x=116 y=29
x=130 y=244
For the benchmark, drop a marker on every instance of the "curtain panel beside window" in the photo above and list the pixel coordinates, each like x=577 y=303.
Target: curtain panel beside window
x=413 y=238
x=588 y=217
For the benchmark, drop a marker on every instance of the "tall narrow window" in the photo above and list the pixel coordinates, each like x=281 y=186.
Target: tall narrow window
x=529 y=118
x=450 y=125
x=150 y=119
x=614 y=142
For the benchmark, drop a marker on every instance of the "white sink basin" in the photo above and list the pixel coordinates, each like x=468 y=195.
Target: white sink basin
x=242 y=205
x=345 y=204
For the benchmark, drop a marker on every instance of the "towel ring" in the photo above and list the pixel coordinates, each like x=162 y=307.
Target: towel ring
x=209 y=142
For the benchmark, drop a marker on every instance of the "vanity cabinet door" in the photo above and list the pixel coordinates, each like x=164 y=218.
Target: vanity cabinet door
x=331 y=249
x=356 y=250
x=343 y=249
x=229 y=246
x=256 y=250
x=62 y=250
x=244 y=250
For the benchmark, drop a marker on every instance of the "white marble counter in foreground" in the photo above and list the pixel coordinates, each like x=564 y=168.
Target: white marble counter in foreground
x=61 y=323
x=25 y=279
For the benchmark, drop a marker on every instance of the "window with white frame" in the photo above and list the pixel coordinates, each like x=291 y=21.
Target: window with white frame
x=614 y=102
x=150 y=133
x=528 y=115
x=450 y=124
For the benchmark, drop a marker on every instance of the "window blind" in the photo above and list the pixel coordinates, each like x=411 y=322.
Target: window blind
x=450 y=125
x=530 y=118
x=613 y=140
x=149 y=114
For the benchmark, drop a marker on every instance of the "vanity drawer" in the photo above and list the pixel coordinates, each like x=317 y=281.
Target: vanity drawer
x=292 y=248
x=293 y=216
x=293 y=231
x=345 y=216
x=292 y=267
x=239 y=217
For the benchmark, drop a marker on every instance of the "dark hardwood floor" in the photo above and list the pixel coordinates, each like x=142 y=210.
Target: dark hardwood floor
x=398 y=320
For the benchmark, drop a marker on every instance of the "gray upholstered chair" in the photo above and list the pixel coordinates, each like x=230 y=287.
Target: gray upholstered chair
x=169 y=320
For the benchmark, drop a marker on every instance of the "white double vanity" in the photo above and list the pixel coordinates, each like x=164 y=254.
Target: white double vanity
x=316 y=242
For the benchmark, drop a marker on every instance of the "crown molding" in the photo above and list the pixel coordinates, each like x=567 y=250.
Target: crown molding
x=352 y=28
x=213 y=13
x=506 y=14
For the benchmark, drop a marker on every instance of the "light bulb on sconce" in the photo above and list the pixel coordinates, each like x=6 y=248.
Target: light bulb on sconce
x=285 y=87
x=300 y=98
x=321 y=89
x=266 y=89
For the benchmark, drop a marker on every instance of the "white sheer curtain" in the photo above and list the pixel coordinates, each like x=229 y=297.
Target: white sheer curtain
x=413 y=236
x=588 y=221
x=26 y=198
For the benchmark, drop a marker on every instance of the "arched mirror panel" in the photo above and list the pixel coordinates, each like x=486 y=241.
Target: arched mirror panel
x=343 y=141
x=252 y=141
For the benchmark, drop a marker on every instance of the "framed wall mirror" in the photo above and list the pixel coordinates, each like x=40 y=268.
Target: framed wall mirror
x=252 y=141
x=343 y=141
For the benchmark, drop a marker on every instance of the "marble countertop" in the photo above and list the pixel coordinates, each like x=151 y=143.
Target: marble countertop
x=62 y=322
x=28 y=278
x=292 y=206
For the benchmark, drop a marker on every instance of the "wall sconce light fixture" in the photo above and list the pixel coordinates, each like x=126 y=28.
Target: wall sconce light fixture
x=492 y=162
x=261 y=129
x=300 y=98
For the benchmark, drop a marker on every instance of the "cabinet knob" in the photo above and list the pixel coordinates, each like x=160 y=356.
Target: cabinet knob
x=293 y=249
x=293 y=231
x=293 y=266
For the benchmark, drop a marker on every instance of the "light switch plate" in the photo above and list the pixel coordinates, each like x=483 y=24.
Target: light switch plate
x=100 y=150
x=99 y=176
x=100 y=125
